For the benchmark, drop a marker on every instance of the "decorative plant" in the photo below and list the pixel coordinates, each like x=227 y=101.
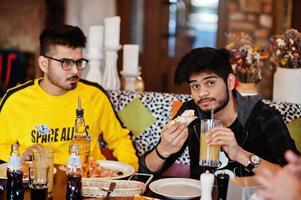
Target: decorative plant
x=286 y=49
x=247 y=59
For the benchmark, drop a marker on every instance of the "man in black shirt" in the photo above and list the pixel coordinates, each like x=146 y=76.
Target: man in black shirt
x=254 y=135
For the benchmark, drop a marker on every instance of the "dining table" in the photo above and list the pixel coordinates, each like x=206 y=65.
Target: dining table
x=59 y=189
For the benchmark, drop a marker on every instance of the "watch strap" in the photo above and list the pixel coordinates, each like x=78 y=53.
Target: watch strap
x=252 y=165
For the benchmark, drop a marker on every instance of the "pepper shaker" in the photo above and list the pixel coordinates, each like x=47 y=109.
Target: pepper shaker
x=207 y=180
x=222 y=185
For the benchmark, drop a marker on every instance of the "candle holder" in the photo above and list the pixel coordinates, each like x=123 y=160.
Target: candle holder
x=110 y=77
x=95 y=54
x=96 y=68
x=132 y=81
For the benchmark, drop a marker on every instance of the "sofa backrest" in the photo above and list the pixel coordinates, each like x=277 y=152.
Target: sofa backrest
x=160 y=104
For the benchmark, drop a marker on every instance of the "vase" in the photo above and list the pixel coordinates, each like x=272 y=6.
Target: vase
x=247 y=88
x=286 y=85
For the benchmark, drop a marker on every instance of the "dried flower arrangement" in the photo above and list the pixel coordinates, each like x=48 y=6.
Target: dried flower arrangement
x=286 y=49
x=246 y=57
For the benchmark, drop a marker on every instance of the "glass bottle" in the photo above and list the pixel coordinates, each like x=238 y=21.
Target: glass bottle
x=82 y=138
x=15 y=190
x=74 y=174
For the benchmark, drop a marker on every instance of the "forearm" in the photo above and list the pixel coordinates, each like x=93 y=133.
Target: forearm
x=153 y=162
x=243 y=158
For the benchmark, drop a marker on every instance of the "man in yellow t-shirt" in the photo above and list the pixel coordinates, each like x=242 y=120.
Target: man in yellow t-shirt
x=49 y=103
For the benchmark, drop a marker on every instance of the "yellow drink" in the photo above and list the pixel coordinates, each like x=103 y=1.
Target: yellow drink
x=209 y=155
x=82 y=139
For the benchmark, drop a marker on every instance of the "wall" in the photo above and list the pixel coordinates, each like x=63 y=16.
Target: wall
x=21 y=22
x=21 y=25
x=254 y=17
x=85 y=13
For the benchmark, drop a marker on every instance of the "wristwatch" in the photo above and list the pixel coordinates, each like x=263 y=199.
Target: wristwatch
x=254 y=161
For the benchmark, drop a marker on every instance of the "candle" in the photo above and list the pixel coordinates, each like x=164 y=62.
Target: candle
x=95 y=37
x=112 y=31
x=130 y=58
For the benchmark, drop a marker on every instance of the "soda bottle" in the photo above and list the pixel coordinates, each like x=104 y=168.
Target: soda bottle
x=74 y=175
x=82 y=139
x=14 y=175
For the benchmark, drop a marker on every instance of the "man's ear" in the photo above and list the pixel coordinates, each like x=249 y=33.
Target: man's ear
x=231 y=81
x=43 y=64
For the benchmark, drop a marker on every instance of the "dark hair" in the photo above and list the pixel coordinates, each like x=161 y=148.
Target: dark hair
x=66 y=35
x=204 y=59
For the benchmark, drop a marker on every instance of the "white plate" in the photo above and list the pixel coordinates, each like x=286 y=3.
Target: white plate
x=177 y=188
x=3 y=168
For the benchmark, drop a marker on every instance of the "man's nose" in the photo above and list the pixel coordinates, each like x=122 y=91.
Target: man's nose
x=74 y=69
x=203 y=92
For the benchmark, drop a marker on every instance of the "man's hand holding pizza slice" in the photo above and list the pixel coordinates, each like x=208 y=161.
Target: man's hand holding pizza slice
x=175 y=133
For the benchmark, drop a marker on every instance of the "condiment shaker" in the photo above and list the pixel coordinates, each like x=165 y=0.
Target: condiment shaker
x=207 y=180
x=222 y=185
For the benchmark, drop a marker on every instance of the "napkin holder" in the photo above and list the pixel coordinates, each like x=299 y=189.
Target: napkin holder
x=242 y=188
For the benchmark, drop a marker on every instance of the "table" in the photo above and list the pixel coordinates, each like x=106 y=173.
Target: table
x=59 y=189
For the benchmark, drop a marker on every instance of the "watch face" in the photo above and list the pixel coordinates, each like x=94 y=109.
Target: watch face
x=255 y=159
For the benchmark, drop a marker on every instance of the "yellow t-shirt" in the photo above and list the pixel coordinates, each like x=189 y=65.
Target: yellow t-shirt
x=26 y=110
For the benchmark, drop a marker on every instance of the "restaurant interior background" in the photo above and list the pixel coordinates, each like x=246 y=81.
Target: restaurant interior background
x=164 y=29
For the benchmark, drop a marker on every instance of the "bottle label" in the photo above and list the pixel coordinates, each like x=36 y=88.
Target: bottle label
x=74 y=162
x=14 y=163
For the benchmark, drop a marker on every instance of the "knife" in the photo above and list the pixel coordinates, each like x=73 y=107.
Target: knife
x=111 y=188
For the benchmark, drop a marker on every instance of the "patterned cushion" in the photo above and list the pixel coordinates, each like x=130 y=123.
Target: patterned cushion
x=160 y=105
x=289 y=111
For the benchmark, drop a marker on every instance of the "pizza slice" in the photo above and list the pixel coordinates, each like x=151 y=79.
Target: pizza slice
x=185 y=118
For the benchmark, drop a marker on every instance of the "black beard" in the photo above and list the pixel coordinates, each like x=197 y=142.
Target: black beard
x=208 y=113
x=73 y=86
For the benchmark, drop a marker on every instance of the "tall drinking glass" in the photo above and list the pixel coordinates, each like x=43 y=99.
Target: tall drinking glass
x=44 y=157
x=38 y=182
x=209 y=155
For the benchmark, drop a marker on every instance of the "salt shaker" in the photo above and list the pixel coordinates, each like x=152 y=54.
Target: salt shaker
x=222 y=185
x=207 y=180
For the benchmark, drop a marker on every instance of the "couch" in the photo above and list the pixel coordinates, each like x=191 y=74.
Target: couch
x=160 y=106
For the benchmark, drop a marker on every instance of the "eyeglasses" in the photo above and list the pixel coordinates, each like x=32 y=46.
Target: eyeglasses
x=67 y=64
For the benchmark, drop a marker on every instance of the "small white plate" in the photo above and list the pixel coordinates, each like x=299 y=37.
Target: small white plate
x=177 y=188
x=3 y=168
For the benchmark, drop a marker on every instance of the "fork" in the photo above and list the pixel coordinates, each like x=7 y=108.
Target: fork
x=110 y=190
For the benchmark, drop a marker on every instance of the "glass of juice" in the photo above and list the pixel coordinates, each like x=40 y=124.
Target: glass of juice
x=209 y=155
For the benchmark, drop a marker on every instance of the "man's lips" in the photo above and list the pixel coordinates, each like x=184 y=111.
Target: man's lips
x=73 y=79
x=205 y=102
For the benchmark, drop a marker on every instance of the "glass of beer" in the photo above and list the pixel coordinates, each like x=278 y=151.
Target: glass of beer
x=209 y=155
x=38 y=182
x=44 y=157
